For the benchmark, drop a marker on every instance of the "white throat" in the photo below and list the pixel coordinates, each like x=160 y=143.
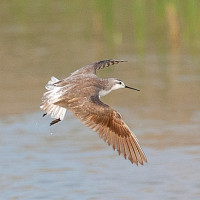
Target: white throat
x=105 y=92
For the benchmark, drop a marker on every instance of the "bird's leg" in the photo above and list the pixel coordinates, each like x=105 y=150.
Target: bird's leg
x=44 y=114
x=55 y=121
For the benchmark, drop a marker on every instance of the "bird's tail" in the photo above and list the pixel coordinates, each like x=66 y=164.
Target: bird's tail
x=50 y=97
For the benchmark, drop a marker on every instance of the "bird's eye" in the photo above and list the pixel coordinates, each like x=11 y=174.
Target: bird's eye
x=120 y=82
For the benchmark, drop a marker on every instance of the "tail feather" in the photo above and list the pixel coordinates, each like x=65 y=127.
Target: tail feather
x=53 y=80
x=50 y=85
x=50 y=97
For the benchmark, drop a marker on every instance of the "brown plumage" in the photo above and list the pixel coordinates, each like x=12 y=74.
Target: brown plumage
x=80 y=93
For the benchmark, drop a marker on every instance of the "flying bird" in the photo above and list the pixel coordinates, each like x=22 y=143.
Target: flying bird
x=80 y=93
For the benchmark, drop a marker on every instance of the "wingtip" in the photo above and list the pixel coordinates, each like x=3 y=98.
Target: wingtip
x=142 y=162
x=116 y=60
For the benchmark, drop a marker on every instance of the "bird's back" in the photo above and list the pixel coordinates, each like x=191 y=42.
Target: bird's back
x=82 y=85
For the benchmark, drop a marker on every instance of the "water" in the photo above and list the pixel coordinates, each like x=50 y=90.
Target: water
x=68 y=160
x=72 y=163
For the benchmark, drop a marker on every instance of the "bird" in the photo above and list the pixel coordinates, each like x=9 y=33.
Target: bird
x=80 y=93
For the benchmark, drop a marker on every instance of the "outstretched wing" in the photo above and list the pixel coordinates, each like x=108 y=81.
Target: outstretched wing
x=97 y=65
x=110 y=126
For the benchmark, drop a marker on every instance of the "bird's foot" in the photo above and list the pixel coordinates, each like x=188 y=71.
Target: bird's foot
x=55 y=121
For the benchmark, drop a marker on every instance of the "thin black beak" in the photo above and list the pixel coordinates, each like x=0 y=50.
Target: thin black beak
x=131 y=88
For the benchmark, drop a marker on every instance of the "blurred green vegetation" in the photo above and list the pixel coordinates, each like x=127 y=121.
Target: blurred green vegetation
x=137 y=25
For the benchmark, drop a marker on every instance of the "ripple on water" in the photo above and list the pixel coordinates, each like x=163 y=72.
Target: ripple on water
x=74 y=164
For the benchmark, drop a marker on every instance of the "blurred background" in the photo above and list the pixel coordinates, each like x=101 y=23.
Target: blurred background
x=161 y=42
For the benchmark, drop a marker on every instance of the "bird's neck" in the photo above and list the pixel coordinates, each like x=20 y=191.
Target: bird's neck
x=104 y=92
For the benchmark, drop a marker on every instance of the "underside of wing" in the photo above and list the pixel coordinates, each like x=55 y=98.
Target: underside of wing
x=110 y=126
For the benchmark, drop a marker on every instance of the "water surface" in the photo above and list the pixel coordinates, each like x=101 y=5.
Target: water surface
x=161 y=41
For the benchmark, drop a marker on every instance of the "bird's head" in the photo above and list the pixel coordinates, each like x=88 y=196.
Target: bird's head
x=113 y=84
x=117 y=84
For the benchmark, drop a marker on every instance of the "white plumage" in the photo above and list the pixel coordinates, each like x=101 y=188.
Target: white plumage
x=50 y=97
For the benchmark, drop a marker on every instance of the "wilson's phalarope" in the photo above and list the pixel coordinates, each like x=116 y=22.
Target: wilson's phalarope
x=80 y=93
